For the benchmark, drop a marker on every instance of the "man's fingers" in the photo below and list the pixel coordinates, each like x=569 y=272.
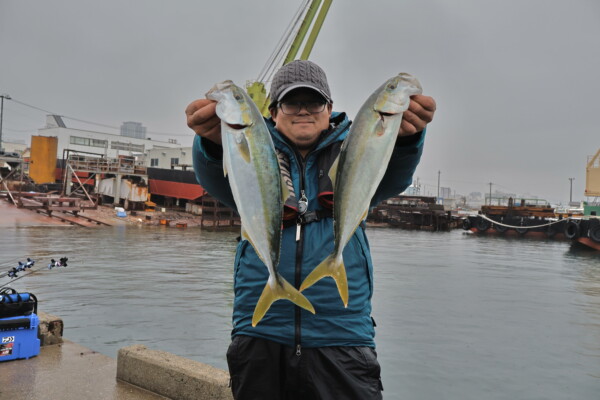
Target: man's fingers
x=426 y=102
x=419 y=114
x=407 y=129
x=423 y=107
x=196 y=105
x=200 y=112
x=214 y=134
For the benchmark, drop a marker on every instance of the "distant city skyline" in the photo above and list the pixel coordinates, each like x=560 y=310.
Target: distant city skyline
x=133 y=129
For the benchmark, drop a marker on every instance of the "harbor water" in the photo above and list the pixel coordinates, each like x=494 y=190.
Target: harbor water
x=458 y=316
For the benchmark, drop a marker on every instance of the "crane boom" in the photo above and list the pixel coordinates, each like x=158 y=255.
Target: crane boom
x=256 y=89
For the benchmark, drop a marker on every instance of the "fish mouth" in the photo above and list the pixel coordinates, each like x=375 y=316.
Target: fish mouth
x=383 y=115
x=238 y=127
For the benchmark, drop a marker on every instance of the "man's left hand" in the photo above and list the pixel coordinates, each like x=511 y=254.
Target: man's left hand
x=419 y=114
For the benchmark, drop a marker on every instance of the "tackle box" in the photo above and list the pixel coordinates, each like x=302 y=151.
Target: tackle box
x=18 y=325
x=14 y=304
x=19 y=337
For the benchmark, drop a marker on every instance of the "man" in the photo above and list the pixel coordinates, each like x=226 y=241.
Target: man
x=291 y=353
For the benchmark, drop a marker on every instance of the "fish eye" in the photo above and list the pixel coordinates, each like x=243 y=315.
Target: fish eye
x=392 y=86
x=238 y=97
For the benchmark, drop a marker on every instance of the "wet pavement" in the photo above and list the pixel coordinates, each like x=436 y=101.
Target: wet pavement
x=67 y=371
x=11 y=216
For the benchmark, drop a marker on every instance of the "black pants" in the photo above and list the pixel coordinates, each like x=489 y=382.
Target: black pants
x=265 y=370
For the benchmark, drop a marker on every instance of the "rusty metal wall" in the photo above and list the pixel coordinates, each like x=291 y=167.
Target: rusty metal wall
x=42 y=163
x=592 y=177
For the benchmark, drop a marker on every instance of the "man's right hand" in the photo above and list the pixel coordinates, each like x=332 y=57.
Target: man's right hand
x=202 y=118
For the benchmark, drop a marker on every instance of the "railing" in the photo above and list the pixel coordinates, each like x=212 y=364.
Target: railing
x=107 y=165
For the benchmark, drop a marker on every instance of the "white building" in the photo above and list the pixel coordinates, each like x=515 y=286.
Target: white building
x=11 y=147
x=177 y=158
x=106 y=144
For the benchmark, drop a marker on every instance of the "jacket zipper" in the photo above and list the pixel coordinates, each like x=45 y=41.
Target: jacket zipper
x=299 y=250
x=299 y=244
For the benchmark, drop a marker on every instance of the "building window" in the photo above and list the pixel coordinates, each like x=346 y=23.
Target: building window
x=154 y=162
x=174 y=161
x=81 y=141
x=127 y=146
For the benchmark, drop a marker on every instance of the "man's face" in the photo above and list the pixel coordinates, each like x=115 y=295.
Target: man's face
x=304 y=128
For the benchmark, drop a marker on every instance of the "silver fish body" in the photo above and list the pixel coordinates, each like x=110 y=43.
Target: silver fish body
x=360 y=167
x=252 y=167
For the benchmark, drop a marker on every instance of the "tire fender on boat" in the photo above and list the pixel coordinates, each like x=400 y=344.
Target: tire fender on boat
x=482 y=224
x=594 y=231
x=466 y=224
x=572 y=229
x=500 y=228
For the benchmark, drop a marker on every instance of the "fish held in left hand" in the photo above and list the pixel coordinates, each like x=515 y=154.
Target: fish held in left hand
x=359 y=168
x=252 y=167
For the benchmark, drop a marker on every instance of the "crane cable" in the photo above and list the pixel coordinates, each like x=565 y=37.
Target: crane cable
x=284 y=42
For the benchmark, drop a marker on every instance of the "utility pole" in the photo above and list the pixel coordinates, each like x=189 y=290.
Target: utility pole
x=571 y=191
x=490 y=193
x=438 y=195
x=2 y=97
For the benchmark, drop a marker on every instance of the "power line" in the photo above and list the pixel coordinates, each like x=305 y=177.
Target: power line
x=91 y=122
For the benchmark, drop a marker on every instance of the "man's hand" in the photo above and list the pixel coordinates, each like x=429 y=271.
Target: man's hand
x=419 y=114
x=202 y=118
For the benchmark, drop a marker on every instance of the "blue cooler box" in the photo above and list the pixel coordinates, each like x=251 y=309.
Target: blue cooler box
x=19 y=337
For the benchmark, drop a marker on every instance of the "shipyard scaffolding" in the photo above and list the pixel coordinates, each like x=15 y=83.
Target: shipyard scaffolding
x=17 y=187
x=121 y=178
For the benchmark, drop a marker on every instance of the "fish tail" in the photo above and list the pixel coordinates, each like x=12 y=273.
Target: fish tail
x=283 y=290
x=334 y=268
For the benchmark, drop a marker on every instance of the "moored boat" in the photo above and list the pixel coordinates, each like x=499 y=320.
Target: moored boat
x=536 y=219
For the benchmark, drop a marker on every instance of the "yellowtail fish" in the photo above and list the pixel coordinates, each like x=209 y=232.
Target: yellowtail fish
x=250 y=162
x=359 y=168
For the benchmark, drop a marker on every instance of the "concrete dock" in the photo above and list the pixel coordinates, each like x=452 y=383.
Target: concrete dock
x=67 y=371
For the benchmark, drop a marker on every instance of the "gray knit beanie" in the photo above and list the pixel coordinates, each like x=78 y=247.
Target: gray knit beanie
x=299 y=74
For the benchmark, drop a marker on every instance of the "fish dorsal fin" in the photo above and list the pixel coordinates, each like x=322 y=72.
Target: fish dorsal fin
x=243 y=146
x=333 y=170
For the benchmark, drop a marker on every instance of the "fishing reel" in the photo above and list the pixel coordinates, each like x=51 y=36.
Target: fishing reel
x=62 y=262
x=13 y=273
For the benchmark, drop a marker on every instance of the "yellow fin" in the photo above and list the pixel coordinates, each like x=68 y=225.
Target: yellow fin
x=336 y=270
x=283 y=290
x=245 y=235
x=364 y=216
x=333 y=170
x=380 y=127
x=243 y=147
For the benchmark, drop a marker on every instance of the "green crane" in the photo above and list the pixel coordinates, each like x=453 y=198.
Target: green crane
x=309 y=9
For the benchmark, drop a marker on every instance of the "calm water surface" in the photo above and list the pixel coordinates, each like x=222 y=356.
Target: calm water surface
x=458 y=316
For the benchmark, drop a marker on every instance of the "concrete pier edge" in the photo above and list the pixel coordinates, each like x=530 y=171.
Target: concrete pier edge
x=50 y=329
x=170 y=375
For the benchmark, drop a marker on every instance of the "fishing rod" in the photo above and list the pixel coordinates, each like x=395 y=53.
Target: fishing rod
x=6 y=263
x=62 y=262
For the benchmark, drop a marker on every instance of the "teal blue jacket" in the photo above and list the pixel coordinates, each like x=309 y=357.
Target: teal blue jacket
x=332 y=325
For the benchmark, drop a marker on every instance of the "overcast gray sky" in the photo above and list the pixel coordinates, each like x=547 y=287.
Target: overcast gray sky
x=516 y=81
